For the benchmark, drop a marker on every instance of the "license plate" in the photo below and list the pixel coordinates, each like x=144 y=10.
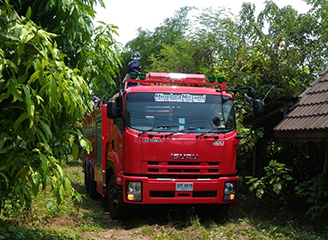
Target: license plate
x=184 y=186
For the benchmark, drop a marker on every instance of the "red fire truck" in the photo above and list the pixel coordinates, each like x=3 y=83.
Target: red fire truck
x=165 y=139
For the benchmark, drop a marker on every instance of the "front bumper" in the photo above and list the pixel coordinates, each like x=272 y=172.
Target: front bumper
x=163 y=191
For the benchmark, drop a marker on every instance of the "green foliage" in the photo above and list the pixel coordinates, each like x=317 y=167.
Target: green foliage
x=174 y=58
x=315 y=190
x=289 y=47
x=156 y=45
x=102 y=60
x=43 y=94
x=41 y=100
x=92 y=50
x=218 y=40
x=245 y=149
x=275 y=179
x=274 y=62
x=71 y=21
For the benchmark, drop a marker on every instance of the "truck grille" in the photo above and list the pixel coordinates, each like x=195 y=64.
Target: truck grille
x=182 y=168
x=171 y=194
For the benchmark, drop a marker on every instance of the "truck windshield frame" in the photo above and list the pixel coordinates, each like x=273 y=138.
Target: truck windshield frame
x=185 y=112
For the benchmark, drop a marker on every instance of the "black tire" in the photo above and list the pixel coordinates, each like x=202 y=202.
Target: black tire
x=90 y=185
x=114 y=200
x=86 y=187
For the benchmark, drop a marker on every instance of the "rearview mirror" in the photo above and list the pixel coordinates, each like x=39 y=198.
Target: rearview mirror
x=112 y=110
x=257 y=105
x=257 y=108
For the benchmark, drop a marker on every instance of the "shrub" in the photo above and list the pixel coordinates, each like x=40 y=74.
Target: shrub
x=316 y=192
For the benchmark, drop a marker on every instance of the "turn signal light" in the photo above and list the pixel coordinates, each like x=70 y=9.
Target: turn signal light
x=130 y=197
x=232 y=196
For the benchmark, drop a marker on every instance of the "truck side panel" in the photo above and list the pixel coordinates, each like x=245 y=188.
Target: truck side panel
x=114 y=152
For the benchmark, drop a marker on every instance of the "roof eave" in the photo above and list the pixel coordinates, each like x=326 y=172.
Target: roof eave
x=306 y=135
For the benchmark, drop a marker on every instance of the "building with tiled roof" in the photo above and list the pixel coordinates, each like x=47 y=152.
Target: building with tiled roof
x=308 y=119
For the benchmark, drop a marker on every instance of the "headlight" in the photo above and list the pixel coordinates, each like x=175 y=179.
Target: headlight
x=134 y=191
x=229 y=191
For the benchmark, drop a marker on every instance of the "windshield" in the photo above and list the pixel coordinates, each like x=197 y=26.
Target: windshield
x=179 y=112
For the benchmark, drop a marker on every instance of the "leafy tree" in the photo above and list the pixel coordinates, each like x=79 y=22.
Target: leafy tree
x=289 y=47
x=219 y=42
x=39 y=96
x=102 y=61
x=151 y=43
x=94 y=51
x=174 y=58
x=272 y=52
x=43 y=95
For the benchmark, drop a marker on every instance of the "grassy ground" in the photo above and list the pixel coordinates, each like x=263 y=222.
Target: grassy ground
x=89 y=220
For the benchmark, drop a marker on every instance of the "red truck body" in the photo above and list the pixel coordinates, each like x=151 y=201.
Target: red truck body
x=173 y=141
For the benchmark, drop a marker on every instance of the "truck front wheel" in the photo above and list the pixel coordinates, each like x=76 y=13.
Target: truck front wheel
x=114 y=200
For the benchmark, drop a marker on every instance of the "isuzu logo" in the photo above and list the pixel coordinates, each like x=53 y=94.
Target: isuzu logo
x=184 y=156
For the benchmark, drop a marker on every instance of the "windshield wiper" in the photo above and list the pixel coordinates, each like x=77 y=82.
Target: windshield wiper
x=183 y=130
x=159 y=127
x=212 y=130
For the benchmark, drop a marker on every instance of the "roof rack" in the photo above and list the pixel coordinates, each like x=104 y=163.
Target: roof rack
x=172 y=79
